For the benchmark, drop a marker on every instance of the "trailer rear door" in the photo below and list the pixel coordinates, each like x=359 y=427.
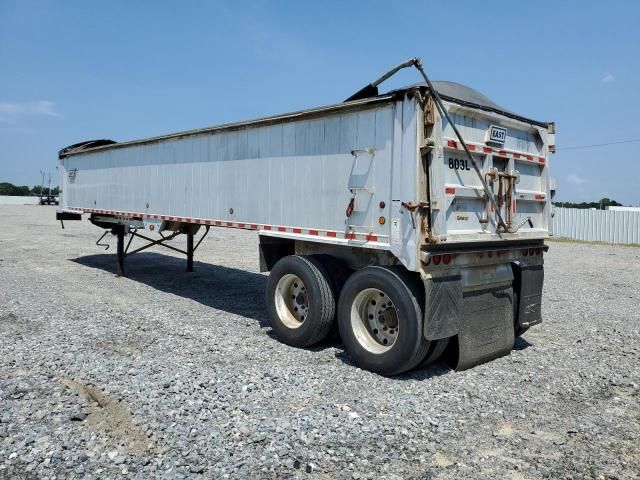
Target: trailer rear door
x=512 y=156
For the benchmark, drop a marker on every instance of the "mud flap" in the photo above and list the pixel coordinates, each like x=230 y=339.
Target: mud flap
x=528 y=282
x=443 y=308
x=485 y=331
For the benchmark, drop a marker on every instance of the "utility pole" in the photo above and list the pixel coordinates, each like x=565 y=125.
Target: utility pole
x=42 y=184
x=49 y=183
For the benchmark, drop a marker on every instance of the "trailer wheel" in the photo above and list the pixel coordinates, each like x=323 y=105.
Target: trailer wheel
x=338 y=273
x=380 y=320
x=300 y=300
x=436 y=349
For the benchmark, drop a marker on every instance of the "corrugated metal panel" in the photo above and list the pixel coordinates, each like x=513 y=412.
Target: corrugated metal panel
x=609 y=226
x=297 y=173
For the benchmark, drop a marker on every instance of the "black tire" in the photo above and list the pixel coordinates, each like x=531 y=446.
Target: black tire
x=436 y=349
x=338 y=274
x=318 y=298
x=409 y=347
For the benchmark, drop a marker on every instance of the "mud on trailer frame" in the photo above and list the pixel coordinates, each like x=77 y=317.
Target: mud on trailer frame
x=413 y=221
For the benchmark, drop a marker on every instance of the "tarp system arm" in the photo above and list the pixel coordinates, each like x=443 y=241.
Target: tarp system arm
x=371 y=90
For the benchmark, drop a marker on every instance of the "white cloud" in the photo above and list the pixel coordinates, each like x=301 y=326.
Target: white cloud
x=608 y=78
x=575 y=179
x=40 y=107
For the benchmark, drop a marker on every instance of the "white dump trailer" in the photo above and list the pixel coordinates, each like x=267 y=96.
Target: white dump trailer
x=414 y=222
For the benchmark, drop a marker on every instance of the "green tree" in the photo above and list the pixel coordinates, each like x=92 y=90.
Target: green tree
x=45 y=191
x=601 y=204
x=11 y=189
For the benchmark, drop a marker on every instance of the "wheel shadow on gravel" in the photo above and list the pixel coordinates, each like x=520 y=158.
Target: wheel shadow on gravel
x=436 y=369
x=521 y=344
x=425 y=373
x=228 y=289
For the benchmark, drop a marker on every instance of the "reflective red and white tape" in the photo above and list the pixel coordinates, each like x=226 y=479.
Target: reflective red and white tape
x=362 y=236
x=495 y=151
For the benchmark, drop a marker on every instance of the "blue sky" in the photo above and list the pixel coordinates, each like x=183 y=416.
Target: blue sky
x=78 y=70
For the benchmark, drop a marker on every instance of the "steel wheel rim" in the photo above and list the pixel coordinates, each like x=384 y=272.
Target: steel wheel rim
x=292 y=300
x=374 y=320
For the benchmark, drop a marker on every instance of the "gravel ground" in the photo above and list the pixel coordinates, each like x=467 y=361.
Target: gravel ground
x=175 y=375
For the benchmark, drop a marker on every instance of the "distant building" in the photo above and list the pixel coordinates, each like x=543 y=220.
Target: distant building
x=625 y=209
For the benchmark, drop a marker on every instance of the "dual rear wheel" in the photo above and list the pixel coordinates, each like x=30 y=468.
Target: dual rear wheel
x=378 y=311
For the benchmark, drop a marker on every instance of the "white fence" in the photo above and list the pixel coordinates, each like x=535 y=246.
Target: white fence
x=609 y=226
x=16 y=200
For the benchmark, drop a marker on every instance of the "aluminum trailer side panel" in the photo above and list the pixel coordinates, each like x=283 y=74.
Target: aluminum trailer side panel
x=293 y=178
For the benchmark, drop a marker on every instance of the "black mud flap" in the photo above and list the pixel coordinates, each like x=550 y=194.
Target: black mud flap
x=486 y=327
x=443 y=306
x=528 y=282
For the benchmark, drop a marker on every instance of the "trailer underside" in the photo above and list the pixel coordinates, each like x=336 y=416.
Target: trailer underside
x=467 y=320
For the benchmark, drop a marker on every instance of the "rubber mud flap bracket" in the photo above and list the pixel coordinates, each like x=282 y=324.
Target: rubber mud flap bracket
x=443 y=306
x=486 y=330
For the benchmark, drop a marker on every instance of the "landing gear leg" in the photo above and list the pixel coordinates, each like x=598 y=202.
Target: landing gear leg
x=123 y=250
x=120 y=250
x=190 y=251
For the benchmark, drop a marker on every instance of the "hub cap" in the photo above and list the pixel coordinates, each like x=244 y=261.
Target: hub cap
x=292 y=300
x=374 y=320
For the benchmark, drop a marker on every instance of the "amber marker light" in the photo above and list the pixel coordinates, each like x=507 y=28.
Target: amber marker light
x=382 y=220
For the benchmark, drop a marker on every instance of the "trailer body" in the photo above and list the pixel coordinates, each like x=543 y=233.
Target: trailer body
x=375 y=181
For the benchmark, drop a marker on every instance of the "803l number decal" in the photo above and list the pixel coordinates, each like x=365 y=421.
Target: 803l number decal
x=459 y=164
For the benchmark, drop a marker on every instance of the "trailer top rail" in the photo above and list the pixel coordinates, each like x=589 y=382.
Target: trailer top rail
x=449 y=91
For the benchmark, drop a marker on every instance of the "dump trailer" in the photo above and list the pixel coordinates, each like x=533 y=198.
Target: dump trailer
x=412 y=222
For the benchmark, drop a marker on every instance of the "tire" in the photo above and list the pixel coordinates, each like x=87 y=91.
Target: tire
x=338 y=273
x=380 y=320
x=436 y=349
x=300 y=300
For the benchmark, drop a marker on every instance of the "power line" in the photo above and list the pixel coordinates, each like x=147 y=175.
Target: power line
x=577 y=147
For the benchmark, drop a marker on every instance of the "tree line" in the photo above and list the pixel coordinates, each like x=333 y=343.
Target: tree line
x=601 y=204
x=25 y=191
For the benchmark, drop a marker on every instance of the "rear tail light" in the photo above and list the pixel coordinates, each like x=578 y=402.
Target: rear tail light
x=436 y=259
x=538 y=251
x=446 y=259
x=532 y=251
x=525 y=252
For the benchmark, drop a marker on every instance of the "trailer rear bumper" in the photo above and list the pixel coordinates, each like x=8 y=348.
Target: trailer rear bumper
x=66 y=215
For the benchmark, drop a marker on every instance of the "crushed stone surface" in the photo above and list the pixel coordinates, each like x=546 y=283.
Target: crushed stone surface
x=169 y=374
